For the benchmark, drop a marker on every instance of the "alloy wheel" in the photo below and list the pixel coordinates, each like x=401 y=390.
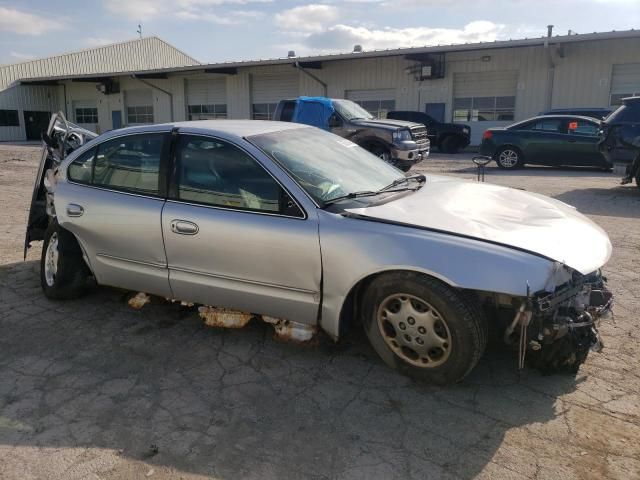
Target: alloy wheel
x=51 y=260
x=508 y=158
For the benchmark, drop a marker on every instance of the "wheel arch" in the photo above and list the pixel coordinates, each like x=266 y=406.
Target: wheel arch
x=512 y=145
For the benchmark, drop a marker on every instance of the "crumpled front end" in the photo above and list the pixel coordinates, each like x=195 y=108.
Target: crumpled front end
x=554 y=331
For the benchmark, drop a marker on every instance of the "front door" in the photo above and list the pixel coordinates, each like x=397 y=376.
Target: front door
x=544 y=141
x=234 y=237
x=581 y=147
x=112 y=201
x=35 y=123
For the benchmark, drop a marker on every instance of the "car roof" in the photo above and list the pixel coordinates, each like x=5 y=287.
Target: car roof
x=561 y=117
x=236 y=128
x=580 y=109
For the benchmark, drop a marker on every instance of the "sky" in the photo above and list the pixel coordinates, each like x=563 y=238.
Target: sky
x=219 y=30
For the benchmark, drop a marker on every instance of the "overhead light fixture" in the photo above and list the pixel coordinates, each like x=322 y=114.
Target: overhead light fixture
x=486 y=58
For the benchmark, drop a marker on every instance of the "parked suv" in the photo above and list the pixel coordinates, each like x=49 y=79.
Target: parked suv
x=400 y=143
x=620 y=138
x=448 y=137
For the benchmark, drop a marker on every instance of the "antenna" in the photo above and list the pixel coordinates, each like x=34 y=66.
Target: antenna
x=139 y=31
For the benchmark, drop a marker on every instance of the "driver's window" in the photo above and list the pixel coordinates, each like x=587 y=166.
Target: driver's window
x=217 y=173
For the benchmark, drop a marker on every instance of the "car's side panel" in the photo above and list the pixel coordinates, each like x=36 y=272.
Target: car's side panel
x=353 y=249
x=120 y=235
x=265 y=264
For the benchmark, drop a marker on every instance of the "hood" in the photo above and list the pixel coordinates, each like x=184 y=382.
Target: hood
x=510 y=217
x=385 y=123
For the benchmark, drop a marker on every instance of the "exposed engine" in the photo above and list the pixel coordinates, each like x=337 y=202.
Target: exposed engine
x=556 y=331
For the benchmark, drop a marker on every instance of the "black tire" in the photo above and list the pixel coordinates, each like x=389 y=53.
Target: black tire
x=381 y=151
x=464 y=322
x=450 y=144
x=71 y=272
x=404 y=168
x=516 y=159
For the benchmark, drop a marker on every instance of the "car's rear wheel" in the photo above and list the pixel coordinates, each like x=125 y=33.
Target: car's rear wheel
x=63 y=273
x=509 y=158
x=450 y=144
x=422 y=327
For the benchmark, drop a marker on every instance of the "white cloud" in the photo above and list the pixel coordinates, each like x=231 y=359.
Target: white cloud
x=99 y=41
x=22 y=56
x=141 y=10
x=234 y=17
x=24 y=23
x=307 y=18
x=343 y=37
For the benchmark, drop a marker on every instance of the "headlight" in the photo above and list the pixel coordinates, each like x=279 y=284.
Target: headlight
x=401 y=135
x=466 y=130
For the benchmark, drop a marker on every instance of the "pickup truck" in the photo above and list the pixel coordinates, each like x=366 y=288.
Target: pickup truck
x=448 y=137
x=620 y=139
x=402 y=144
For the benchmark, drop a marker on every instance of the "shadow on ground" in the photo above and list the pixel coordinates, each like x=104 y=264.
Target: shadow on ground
x=618 y=201
x=93 y=373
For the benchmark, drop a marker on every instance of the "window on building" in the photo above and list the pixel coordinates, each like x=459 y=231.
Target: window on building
x=377 y=108
x=616 y=98
x=86 y=115
x=129 y=163
x=483 y=109
x=141 y=114
x=9 y=118
x=213 y=172
x=207 y=112
x=263 y=111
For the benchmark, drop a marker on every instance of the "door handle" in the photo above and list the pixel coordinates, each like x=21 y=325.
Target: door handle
x=74 y=210
x=183 y=227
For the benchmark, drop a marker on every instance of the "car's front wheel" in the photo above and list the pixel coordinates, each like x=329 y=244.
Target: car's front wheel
x=450 y=144
x=509 y=158
x=423 y=328
x=63 y=273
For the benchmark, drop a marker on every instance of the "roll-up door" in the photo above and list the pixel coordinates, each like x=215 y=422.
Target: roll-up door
x=625 y=82
x=378 y=102
x=268 y=90
x=488 y=98
x=206 y=98
x=85 y=114
x=139 y=104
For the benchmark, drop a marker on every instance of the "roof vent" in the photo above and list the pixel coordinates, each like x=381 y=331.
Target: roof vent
x=357 y=49
x=549 y=30
x=291 y=54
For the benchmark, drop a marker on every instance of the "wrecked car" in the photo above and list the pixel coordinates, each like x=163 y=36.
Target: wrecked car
x=306 y=230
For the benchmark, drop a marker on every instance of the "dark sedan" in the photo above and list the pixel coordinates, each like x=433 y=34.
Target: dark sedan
x=547 y=140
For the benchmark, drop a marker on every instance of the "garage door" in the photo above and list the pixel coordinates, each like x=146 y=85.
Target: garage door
x=488 y=98
x=268 y=90
x=85 y=114
x=625 y=82
x=377 y=101
x=139 y=104
x=206 y=99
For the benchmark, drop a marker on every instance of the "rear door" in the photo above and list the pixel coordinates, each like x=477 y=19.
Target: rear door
x=235 y=238
x=582 y=143
x=112 y=199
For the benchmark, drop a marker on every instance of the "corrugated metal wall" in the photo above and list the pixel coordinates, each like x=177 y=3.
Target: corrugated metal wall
x=30 y=98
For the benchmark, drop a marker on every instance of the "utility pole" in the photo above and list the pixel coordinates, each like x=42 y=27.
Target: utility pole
x=139 y=31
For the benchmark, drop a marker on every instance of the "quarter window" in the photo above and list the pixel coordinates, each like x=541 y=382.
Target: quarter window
x=140 y=114
x=86 y=115
x=263 y=111
x=214 y=172
x=207 y=112
x=9 y=118
x=129 y=163
x=483 y=109
x=81 y=169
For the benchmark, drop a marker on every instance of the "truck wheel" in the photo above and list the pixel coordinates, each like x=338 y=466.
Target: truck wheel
x=63 y=273
x=423 y=328
x=509 y=158
x=382 y=152
x=450 y=145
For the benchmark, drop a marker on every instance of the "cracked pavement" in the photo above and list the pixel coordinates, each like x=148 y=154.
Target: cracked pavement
x=91 y=389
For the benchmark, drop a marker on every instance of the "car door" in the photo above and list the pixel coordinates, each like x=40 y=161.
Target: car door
x=111 y=199
x=543 y=141
x=582 y=143
x=235 y=237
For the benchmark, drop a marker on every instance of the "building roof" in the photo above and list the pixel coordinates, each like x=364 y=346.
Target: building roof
x=149 y=53
x=232 y=66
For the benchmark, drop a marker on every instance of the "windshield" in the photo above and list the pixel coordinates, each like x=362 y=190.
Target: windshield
x=350 y=110
x=325 y=165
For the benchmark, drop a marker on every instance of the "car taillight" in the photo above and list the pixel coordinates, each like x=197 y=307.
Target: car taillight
x=487 y=134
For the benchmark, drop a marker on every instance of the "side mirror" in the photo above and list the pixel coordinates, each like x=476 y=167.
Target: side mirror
x=334 y=121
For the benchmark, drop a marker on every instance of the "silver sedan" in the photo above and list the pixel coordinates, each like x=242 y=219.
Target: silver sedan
x=306 y=230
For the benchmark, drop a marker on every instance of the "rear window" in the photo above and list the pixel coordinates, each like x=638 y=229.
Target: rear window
x=287 y=111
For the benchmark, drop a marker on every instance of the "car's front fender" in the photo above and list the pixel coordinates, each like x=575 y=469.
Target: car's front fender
x=354 y=249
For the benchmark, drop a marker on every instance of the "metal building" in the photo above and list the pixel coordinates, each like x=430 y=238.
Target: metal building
x=481 y=84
